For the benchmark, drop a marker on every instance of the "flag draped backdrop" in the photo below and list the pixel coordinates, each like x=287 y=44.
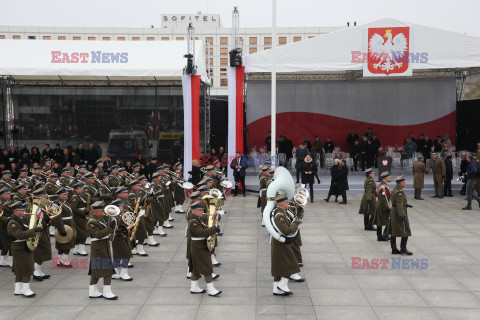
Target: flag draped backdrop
x=191 y=121
x=235 y=113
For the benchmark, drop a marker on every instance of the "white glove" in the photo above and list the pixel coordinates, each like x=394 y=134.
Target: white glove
x=168 y=183
x=141 y=213
x=221 y=212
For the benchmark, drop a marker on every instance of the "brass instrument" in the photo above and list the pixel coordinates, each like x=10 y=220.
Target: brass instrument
x=36 y=218
x=112 y=212
x=215 y=203
x=128 y=218
x=88 y=208
x=137 y=219
x=299 y=201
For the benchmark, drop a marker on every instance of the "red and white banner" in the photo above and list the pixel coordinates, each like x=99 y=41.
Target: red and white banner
x=236 y=76
x=388 y=51
x=191 y=121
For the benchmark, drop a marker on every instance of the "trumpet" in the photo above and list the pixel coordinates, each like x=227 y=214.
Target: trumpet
x=42 y=173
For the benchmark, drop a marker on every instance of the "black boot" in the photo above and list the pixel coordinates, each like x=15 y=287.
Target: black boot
x=336 y=198
x=370 y=221
x=403 y=246
x=385 y=233
x=393 y=244
x=327 y=199
x=380 y=237
x=366 y=223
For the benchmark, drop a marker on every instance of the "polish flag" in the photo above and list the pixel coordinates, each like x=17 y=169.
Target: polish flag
x=235 y=113
x=191 y=121
x=152 y=117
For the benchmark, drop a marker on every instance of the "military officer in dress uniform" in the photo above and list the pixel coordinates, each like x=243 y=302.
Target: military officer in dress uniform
x=367 y=207
x=80 y=205
x=382 y=208
x=437 y=165
x=66 y=219
x=399 y=225
x=114 y=179
x=101 y=264
x=6 y=181
x=82 y=170
x=262 y=197
x=419 y=171
x=18 y=233
x=141 y=233
x=5 y=245
x=157 y=201
x=47 y=168
x=99 y=168
x=200 y=255
x=23 y=177
x=283 y=260
x=104 y=189
x=22 y=193
x=65 y=179
x=121 y=245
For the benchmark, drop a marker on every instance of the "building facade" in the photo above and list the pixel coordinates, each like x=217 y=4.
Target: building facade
x=208 y=28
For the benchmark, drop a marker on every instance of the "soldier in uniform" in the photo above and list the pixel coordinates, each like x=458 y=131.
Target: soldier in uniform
x=157 y=201
x=121 y=245
x=47 y=168
x=437 y=165
x=78 y=202
x=201 y=262
x=283 y=260
x=22 y=193
x=141 y=233
x=167 y=199
x=114 y=179
x=66 y=219
x=419 y=171
x=99 y=168
x=382 y=208
x=104 y=189
x=82 y=170
x=101 y=264
x=6 y=181
x=399 y=225
x=367 y=207
x=6 y=254
x=65 y=179
x=43 y=252
x=179 y=194
x=23 y=177
x=149 y=219
x=90 y=187
x=262 y=197
x=18 y=233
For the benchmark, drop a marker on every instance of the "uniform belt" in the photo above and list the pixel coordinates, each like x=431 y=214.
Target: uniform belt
x=197 y=238
x=19 y=240
x=394 y=206
x=95 y=239
x=67 y=218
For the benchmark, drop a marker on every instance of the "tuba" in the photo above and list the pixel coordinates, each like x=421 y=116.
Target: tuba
x=283 y=182
x=36 y=218
x=112 y=212
x=214 y=204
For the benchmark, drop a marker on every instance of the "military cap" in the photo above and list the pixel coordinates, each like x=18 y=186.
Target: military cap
x=134 y=183
x=38 y=185
x=104 y=176
x=209 y=180
x=53 y=176
x=121 y=170
x=21 y=186
x=65 y=170
x=385 y=174
x=369 y=170
x=99 y=161
x=6 y=172
x=121 y=190
x=142 y=177
x=82 y=167
x=178 y=164
x=210 y=167
x=98 y=205
x=115 y=167
x=196 y=205
x=39 y=192
x=37 y=168
x=420 y=158
x=281 y=197
x=265 y=168
x=117 y=202
x=23 y=171
x=474 y=155
x=155 y=174
x=17 y=205
x=62 y=191
x=433 y=153
x=78 y=185
x=203 y=189
x=195 y=195
x=4 y=190
x=161 y=168
x=201 y=184
x=89 y=175
x=399 y=179
x=136 y=166
x=48 y=160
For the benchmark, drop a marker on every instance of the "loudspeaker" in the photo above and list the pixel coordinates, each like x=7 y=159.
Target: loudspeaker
x=219 y=123
x=467 y=128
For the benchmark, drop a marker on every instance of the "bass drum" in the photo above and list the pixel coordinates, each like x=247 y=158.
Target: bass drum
x=188 y=189
x=227 y=188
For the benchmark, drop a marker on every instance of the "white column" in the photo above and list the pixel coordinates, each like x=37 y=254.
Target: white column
x=274 y=81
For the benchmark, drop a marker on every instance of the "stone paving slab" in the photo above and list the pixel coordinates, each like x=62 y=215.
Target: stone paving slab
x=446 y=237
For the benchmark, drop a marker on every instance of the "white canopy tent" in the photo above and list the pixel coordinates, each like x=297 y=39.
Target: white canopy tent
x=97 y=60
x=333 y=52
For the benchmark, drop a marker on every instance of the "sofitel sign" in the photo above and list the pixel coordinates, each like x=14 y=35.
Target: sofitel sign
x=188 y=18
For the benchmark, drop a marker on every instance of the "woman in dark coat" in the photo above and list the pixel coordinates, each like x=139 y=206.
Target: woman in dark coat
x=342 y=181
x=309 y=169
x=334 y=171
x=196 y=174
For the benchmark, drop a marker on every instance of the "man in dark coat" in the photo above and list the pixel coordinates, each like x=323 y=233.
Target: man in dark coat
x=427 y=147
x=355 y=151
x=342 y=181
x=80 y=152
x=448 y=177
x=309 y=171
x=91 y=155
x=268 y=141
x=420 y=143
x=351 y=139
x=239 y=165
x=329 y=145
x=300 y=155
x=288 y=149
x=370 y=154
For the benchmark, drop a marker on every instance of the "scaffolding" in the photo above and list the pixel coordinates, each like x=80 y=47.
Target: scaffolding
x=7 y=110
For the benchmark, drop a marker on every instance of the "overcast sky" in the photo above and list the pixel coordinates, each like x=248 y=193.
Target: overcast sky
x=460 y=15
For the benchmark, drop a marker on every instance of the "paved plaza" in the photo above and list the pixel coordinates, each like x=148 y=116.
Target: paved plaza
x=446 y=286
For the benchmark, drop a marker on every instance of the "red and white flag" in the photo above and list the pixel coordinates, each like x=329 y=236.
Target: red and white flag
x=152 y=116
x=191 y=121
x=158 y=116
x=235 y=112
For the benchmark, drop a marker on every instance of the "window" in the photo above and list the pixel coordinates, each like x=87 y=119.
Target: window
x=106 y=38
x=267 y=40
x=211 y=61
x=196 y=38
x=150 y=38
x=223 y=51
x=2 y=36
x=266 y=48
x=210 y=51
x=32 y=37
x=77 y=38
x=223 y=40
x=47 y=38
x=91 y=38
x=62 y=38
x=165 y=38
x=310 y=37
x=209 y=40
x=136 y=38
x=211 y=72
x=282 y=41
x=16 y=37
x=253 y=41
x=180 y=38
x=224 y=61
x=223 y=72
x=223 y=82
x=252 y=50
x=296 y=39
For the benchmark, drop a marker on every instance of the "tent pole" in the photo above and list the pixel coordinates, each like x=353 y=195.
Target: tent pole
x=274 y=83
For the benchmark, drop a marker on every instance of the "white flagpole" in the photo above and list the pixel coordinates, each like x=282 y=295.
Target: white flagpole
x=274 y=82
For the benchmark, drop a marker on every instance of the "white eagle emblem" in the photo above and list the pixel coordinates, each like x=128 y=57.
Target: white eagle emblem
x=388 y=52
